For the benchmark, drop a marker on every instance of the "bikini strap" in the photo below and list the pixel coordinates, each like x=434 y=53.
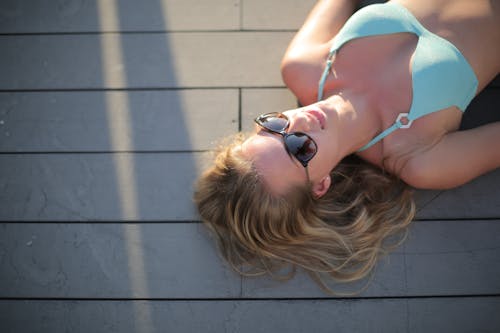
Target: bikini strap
x=321 y=84
x=397 y=124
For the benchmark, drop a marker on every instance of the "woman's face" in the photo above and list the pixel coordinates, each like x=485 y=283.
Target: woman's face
x=280 y=170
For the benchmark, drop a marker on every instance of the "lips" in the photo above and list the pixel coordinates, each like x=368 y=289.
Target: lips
x=320 y=117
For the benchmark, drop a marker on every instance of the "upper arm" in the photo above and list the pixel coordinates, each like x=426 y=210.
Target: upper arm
x=458 y=158
x=301 y=72
x=323 y=22
x=305 y=57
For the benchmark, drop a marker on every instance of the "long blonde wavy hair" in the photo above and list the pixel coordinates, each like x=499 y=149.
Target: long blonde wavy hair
x=364 y=214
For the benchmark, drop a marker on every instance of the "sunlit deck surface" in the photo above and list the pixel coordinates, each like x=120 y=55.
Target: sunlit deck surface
x=108 y=111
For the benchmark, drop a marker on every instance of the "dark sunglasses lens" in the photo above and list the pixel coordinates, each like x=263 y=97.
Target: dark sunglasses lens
x=301 y=146
x=274 y=122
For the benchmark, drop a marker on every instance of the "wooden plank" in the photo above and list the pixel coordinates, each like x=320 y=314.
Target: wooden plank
x=454 y=315
x=83 y=121
x=277 y=14
x=431 y=262
x=396 y=315
x=453 y=256
x=24 y=16
x=280 y=14
x=479 y=198
x=68 y=187
x=161 y=260
x=255 y=102
x=121 y=186
x=112 y=261
x=172 y=60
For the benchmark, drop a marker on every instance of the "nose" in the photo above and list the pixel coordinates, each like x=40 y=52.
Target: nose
x=299 y=123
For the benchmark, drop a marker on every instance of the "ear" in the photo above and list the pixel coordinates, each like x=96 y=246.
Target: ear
x=320 y=188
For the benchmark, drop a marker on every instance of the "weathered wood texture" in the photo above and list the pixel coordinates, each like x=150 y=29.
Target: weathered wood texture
x=384 y=316
x=156 y=261
x=74 y=187
x=111 y=186
x=107 y=112
x=164 y=126
x=24 y=16
x=159 y=60
x=81 y=121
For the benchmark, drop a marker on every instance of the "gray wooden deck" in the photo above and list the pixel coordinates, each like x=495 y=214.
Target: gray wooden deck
x=107 y=111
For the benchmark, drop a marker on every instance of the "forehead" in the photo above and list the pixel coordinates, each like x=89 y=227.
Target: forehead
x=272 y=162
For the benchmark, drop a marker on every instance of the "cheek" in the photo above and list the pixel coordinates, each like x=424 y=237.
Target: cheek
x=324 y=155
x=325 y=140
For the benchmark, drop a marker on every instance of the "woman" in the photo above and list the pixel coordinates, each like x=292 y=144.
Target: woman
x=325 y=187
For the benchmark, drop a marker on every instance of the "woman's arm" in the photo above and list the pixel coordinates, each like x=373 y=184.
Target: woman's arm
x=458 y=158
x=305 y=57
x=323 y=23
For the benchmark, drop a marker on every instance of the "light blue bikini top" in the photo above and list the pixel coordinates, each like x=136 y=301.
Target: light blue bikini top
x=441 y=76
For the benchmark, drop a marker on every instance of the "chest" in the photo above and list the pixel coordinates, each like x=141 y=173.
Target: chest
x=472 y=26
x=384 y=80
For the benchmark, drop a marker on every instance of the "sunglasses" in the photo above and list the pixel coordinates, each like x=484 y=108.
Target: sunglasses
x=297 y=144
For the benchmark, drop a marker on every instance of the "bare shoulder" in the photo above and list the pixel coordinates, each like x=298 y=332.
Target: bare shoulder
x=305 y=57
x=301 y=70
x=456 y=159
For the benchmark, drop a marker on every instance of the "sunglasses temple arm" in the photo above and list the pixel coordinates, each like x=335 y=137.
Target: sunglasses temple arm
x=307 y=174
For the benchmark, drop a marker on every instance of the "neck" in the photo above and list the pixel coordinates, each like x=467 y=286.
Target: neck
x=356 y=121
